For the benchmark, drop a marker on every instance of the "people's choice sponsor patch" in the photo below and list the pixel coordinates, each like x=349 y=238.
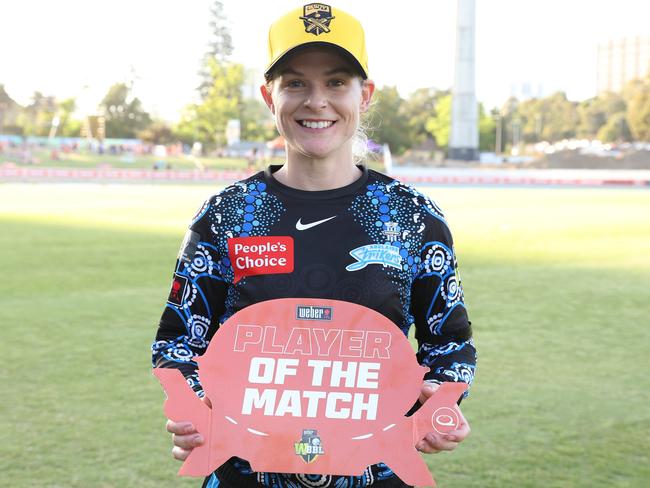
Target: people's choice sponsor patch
x=252 y=256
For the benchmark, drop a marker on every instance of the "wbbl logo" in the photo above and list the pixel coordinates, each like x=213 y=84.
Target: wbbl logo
x=310 y=312
x=309 y=447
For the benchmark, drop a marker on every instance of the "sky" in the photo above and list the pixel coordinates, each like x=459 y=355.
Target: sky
x=78 y=48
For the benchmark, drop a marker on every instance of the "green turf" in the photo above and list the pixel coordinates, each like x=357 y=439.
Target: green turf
x=557 y=283
x=42 y=157
x=45 y=158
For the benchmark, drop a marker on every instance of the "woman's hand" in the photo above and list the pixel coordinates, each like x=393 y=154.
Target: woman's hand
x=185 y=437
x=434 y=442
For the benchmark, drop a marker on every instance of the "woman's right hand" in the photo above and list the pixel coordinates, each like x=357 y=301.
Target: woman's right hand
x=185 y=437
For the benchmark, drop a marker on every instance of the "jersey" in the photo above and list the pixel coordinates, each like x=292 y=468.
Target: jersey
x=376 y=242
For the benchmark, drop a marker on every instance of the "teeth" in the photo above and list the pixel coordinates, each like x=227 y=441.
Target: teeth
x=323 y=124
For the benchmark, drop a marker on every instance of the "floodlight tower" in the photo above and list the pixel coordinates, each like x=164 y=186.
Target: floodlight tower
x=463 y=142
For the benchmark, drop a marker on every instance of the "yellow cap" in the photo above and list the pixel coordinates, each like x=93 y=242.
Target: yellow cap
x=317 y=23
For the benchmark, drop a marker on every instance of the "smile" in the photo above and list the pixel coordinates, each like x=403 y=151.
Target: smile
x=316 y=124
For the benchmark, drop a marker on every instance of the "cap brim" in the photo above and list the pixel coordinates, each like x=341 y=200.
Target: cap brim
x=347 y=54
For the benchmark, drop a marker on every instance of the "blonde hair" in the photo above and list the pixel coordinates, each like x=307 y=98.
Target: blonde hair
x=360 y=150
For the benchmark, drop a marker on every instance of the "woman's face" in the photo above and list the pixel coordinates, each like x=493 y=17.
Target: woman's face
x=317 y=99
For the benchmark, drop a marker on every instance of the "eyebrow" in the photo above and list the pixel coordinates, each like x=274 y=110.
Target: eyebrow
x=289 y=71
x=340 y=70
x=333 y=71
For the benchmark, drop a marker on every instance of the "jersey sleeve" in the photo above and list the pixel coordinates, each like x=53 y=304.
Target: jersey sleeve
x=442 y=328
x=195 y=302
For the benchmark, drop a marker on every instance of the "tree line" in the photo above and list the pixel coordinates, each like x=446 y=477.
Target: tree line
x=608 y=117
x=121 y=116
x=421 y=118
x=401 y=122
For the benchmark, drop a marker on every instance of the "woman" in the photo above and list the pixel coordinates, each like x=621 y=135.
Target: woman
x=317 y=87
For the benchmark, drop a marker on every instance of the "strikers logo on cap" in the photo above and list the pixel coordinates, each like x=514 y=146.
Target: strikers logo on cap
x=317 y=18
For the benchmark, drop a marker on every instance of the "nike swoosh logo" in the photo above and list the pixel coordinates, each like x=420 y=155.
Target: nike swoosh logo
x=301 y=226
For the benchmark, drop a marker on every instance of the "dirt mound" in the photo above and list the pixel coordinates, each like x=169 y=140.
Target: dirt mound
x=575 y=160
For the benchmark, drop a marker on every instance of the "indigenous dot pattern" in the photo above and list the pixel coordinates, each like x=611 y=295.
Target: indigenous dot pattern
x=281 y=480
x=445 y=349
x=244 y=209
x=459 y=372
x=391 y=214
x=241 y=210
x=439 y=262
x=388 y=213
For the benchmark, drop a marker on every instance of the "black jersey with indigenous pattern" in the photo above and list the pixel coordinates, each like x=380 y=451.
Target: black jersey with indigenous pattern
x=376 y=242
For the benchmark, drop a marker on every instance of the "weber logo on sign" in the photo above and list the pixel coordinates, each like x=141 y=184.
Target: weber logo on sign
x=313 y=313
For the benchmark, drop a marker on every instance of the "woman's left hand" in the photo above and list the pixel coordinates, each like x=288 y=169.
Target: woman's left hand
x=434 y=442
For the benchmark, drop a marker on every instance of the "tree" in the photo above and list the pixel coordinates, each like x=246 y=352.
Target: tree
x=387 y=120
x=124 y=116
x=637 y=94
x=206 y=121
x=219 y=47
x=9 y=114
x=439 y=126
x=418 y=109
x=187 y=128
x=68 y=127
x=221 y=94
x=486 y=130
x=508 y=118
x=36 y=118
x=256 y=121
x=157 y=133
x=595 y=112
x=559 y=118
x=39 y=117
x=530 y=120
x=615 y=130
x=552 y=118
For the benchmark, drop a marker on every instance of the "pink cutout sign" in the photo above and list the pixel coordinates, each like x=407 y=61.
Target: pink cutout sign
x=310 y=386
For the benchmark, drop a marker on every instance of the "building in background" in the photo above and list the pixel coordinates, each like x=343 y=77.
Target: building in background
x=525 y=90
x=622 y=60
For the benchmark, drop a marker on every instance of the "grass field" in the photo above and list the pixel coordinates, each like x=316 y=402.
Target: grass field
x=558 y=288
x=42 y=157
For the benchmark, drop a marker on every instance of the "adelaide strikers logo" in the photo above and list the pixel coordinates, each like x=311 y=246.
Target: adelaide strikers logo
x=309 y=447
x=317 y=18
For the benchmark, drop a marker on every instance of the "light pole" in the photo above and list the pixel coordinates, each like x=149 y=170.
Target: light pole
x=516 y=133
x=3 y=106
x=499 y=130
x=463 y=143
